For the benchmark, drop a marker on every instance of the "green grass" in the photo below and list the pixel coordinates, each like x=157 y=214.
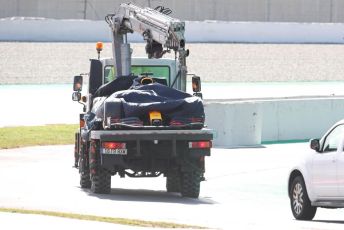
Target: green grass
x=113 y=220
x=15 y=137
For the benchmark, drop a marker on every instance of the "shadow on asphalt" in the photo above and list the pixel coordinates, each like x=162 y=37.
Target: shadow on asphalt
x=243 y=147
x=329 y=221
x=144 y=195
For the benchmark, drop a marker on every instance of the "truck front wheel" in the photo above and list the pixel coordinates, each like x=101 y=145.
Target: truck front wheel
x=101 y=182
x=85 y=180
x=190 y=184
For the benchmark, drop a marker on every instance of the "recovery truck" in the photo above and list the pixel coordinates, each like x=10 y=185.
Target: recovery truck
x=178 y=153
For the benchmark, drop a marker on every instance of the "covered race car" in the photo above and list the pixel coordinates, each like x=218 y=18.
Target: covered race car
x=142 y=103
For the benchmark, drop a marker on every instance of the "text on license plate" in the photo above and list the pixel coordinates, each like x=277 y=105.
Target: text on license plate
x=114 y=151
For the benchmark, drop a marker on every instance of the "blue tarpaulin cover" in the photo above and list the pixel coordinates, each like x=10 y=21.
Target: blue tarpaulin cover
x=157 y=97
x=138 y=100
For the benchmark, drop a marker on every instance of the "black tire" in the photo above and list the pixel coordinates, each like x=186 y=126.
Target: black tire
x=299 y=201
x=190 y=184
x=76 y=150
x=173 y=182
x=85 y=181
x=101 y=182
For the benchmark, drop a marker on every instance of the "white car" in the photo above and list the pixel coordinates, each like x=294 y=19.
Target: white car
x=318 y=180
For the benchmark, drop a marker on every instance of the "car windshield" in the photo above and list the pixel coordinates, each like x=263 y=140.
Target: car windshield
x=332 y=140
x=162 y=72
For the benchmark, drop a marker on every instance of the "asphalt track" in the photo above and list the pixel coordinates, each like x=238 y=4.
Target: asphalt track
x=245 y=189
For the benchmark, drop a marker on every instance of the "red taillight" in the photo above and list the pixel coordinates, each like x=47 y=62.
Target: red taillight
x=200 y=145
x=114 y=145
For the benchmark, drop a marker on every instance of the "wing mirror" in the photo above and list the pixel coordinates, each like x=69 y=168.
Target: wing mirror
x=196 y=84
x=77 y=85
x=315 y=144
x=76 y=96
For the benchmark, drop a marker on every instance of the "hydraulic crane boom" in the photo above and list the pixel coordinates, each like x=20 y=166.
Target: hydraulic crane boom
x=159 y=31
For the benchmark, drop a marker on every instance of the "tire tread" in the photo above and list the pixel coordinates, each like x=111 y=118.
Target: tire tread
x=101 y=182
x=190 y=184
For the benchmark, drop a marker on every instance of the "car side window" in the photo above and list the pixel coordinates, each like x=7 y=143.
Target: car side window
x=333 y=138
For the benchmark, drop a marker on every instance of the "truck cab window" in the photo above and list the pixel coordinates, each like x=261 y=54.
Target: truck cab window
x=109 y=74
x=159 y=72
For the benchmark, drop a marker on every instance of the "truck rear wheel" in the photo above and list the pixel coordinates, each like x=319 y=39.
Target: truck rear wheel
x=85 y=181
x=190 y=184
x=173 y=182
x=101 y=182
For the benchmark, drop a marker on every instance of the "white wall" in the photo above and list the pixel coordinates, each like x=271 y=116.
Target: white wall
x=50 y=30
x=240 y=123
x=297 y=119
x=38 y=29
x=264 y=32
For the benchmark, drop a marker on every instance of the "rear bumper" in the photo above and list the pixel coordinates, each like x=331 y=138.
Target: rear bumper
x=151 y=150
x=103 y=135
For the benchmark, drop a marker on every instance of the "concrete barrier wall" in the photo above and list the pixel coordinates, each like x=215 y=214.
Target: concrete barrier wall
x=39 y=29
x=234 y=124
x=250 y=123
x=265 y=32
x=298 y=119
x=50 y=30
x=193 y=10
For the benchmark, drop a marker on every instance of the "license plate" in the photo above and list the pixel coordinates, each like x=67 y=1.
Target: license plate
x=115 y=151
